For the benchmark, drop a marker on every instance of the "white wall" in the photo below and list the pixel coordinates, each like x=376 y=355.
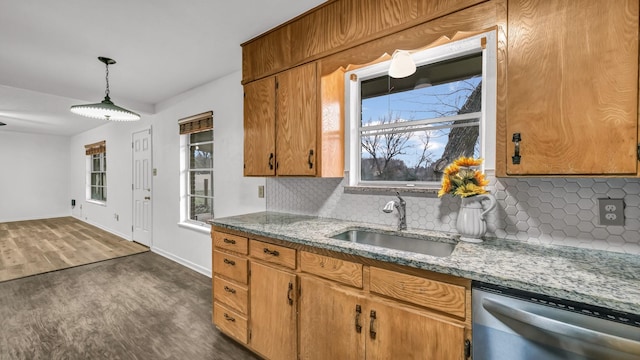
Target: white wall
x=34 y=171
x=234 y=194
x=118 y=142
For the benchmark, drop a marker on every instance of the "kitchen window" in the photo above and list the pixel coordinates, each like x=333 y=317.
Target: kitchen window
x=403 y=132
x=96 y=172
x=198 y=193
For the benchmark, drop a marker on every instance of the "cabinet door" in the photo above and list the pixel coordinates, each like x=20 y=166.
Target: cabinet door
x=259 y=127
x=296 y=114
x=330 y=325
x=572 y=86
x=273 y=312
x=398 y=332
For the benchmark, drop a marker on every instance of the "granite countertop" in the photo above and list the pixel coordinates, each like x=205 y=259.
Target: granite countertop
x=601 y=278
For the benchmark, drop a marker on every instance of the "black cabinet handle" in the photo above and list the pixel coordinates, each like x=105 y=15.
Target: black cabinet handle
x=229 y=318
x=290 y=294
x=372 y=331
x=229 y=290
x=229 y=262
x=516 y=153
x=358 y=312
x=309 y=160
x=229 y=241
x=271 y=161
x=271 y=252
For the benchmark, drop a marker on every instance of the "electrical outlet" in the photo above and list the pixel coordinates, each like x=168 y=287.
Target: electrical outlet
x=611 y=211
x=261 y=191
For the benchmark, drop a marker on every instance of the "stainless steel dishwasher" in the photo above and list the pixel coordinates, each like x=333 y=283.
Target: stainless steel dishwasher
x=511 y=324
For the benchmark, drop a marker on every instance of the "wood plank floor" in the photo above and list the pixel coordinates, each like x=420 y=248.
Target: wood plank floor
x=38 y=246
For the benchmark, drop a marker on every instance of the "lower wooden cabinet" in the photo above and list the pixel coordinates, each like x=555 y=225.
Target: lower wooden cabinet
x=331 y=321
x=287 y=303
x=340 y=323
x=273 y=312
x=395 y=331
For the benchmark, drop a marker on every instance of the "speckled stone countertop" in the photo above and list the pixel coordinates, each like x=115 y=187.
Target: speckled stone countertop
x=601 y=278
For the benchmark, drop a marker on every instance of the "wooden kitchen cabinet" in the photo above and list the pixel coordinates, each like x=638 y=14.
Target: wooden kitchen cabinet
x=286 y=301
x=571 y=88
x=229 y=284
x=395 y=331
x=273 y=311
x=260 y=127
x=343 y=322
x=280 y=120
x=332 y=321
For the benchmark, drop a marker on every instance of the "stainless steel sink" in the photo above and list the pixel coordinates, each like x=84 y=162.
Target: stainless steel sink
x=397 y=242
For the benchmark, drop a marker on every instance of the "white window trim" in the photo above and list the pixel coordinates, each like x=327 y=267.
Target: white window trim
x=89 y=167
x=185 y=221
x=450 y=50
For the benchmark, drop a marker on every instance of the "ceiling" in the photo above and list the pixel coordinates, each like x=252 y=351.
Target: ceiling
x=48 y=56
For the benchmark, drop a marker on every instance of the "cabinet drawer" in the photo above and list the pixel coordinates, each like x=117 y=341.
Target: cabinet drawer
x=420 y=291
x=273 y=253
x=230 y=294
x=342 y=271
x=230 y=242
x=231 y=266
x=230 y=322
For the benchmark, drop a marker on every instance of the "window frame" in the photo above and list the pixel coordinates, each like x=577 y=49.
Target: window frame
x=484 y=43
x=102 y=157
x=187 y=178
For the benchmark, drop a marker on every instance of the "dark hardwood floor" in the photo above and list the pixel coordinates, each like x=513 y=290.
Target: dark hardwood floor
x=141 y=306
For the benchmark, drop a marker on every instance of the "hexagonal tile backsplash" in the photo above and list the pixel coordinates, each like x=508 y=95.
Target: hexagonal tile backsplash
x=537 y=210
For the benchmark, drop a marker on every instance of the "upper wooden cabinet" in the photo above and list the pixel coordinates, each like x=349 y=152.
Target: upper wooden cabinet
x=571 y=88
x=260 y=127
x=280 y=115
x=286 y=131
x=296 y=121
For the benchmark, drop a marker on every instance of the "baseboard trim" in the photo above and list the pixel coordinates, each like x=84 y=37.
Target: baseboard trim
x=102 y=227
x=53 y=216
x=195 y=267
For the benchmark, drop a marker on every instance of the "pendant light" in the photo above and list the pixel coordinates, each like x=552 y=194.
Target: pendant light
x=106 y=109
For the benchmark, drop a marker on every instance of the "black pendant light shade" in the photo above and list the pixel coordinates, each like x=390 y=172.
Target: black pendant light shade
x=105 y=109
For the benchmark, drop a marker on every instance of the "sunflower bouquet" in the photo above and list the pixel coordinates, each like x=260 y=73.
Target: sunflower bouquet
x=462 y=178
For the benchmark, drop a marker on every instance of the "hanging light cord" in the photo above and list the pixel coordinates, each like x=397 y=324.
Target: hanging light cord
x=106 y=91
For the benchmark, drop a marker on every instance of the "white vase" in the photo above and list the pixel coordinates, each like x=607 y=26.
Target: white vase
x=471 y=224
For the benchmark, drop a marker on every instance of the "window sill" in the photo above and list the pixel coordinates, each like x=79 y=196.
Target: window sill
x=201 y=228
x=96 y=202
x=387 y=190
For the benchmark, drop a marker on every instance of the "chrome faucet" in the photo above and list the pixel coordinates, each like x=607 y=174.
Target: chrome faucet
x=401 y=205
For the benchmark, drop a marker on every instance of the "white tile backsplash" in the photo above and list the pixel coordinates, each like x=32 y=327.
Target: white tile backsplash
x=537 y=210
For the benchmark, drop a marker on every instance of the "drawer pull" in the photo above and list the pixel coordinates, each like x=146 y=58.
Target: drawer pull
x=229 y=241
x=358 y=312
x=229 y=290
x=271 y=252
x=372 y=331
x=290 y=293
x=229 y=318
x=229 y=262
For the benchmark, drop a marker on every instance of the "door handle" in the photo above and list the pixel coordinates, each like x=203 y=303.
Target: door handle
x=147 y=197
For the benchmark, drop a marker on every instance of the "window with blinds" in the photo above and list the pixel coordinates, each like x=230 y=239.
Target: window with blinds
x=198 y=166
x=97 y=171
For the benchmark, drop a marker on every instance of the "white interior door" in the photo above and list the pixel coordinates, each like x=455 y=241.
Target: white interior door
x=142 y=187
